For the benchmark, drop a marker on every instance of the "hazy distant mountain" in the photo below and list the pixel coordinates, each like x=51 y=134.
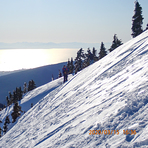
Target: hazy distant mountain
x=41 y=76
x=38 y=45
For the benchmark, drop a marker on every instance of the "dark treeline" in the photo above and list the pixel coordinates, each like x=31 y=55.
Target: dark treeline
x=18 y=93
x=13 y=99
x=83 y=60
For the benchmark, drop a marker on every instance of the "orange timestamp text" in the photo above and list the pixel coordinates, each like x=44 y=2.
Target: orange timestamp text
x=110 y=132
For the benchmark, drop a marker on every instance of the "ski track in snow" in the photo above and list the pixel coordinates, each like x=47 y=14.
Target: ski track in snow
x=111 y=94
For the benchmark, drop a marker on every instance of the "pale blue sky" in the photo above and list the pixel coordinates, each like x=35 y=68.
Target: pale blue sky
x=87 y=21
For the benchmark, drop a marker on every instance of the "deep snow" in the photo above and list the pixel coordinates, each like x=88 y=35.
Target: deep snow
x=110 y=95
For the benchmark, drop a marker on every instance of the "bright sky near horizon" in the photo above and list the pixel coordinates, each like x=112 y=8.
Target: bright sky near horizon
x=88 y=21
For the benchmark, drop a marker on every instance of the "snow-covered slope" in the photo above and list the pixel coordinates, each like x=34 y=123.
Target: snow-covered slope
x=110 y=95
x=40 y=75
x=31 y=97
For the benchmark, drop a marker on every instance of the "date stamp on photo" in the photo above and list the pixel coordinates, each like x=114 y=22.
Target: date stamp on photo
x=111 y=132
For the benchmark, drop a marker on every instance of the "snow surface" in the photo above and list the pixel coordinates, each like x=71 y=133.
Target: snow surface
x=111 y=94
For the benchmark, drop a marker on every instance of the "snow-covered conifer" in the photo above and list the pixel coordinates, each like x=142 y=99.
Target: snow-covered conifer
x=0 y=132
x=137 y=20
x=25 y=87
x=14 y=97
x=94 y=51
x=102 y=52
x=69 y=66
x=116 y=43
x=8 y=101
x=72 y=65
x=5 y=127
x=16 y=111
x=79 y=60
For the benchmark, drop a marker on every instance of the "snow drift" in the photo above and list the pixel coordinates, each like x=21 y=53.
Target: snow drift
x=110 y=95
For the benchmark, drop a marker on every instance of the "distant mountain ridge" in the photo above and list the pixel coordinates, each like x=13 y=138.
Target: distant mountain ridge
x=49 y=45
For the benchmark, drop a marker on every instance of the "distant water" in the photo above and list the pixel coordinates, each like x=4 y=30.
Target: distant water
x=14 y=59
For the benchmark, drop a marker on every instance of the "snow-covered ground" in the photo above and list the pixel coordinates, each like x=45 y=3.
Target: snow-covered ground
x=109 y=96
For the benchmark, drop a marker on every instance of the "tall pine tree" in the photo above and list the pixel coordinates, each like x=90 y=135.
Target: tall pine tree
x=72 y=65
x=102 y=52
x=94 y=51
x=16 y=111
x=116 y=43
x=146 y=27
x=5 y=127
x=68 y=66
x=88 y=58
x=137 y=20
x=0 y=130
x=79 y=60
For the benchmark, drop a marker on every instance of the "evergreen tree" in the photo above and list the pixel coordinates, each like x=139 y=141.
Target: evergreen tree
x=17 y=93
x=116 y=43
x=29 y=85
x=69 y=66
x=88 y=58
x=16 y=111
x=5 y=127
x=0 y=132
x=146 y=27
x=72 y=65
x=25 y=87
x=14 y=100
x=95 y=58
x=79 y=60
x=137 y=20
x=8 y=101
x=33 y=85
x=89 y=54
x=60 y=74
x=20 y=93
x=10 y=98
x=14 y=97
x=102 y=52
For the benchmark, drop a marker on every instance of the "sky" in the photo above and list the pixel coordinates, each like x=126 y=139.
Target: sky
x=63 y=21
